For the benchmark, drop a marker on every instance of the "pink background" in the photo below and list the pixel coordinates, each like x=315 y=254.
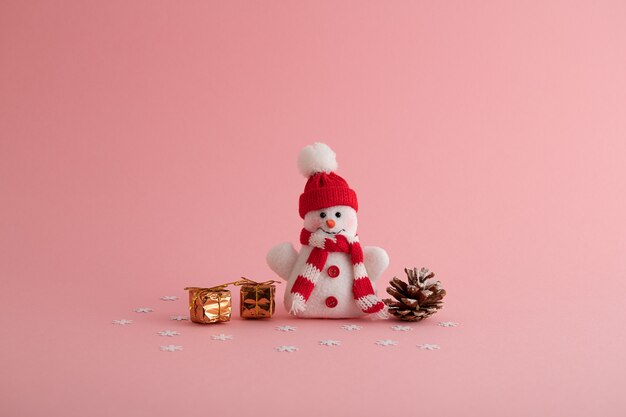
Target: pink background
x=150 y=145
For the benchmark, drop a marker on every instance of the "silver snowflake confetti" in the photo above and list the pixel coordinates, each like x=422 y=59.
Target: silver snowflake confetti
x=351 y=327
x=179 y=318
x=386 y=342
x=169 y=298
x=400 y=328
x=447 y=324
x=286 y=348
x=171 y=348
x=427 y=346
x=286 y=328
x=330 y=342
x=143 y=310
x=222 y=337
x=122 y=322
x=169 y=333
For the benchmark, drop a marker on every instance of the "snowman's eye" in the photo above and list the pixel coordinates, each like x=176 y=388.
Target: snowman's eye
x=322 y=215
x=337 y=214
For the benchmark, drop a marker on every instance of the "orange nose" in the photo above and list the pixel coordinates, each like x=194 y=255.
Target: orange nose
x=330 y=223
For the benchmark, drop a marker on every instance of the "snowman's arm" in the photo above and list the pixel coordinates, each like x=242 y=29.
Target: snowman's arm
x=376 y=261
x=281 y=259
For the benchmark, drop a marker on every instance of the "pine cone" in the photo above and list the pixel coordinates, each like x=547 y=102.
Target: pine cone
x=420 y=298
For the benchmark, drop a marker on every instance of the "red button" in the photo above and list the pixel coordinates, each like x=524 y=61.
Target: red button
x=333 y=271
x=331 y=302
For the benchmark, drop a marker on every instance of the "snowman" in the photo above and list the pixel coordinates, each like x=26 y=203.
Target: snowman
x=332 y=276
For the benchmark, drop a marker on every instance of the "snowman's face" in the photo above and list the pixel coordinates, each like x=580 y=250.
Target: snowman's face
x=332 y=221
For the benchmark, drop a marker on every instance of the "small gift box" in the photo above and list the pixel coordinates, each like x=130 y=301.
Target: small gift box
x=209 y=305
x=257 y=298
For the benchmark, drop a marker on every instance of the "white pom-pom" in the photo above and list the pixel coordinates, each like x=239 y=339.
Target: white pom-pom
x=317 y=158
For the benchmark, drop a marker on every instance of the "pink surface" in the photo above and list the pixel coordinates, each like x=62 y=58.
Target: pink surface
x=146 y=146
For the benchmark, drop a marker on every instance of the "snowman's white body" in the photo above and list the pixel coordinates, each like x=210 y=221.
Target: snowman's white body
x=288 y=264
x=339 y=287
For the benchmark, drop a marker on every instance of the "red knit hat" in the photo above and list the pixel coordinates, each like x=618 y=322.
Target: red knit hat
x=324 y=188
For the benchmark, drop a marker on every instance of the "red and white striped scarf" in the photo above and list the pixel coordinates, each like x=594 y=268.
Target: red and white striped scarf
x=322 y=244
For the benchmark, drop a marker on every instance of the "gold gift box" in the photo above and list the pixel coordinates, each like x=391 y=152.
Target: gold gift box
x=209 y=305
x=257 y=299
